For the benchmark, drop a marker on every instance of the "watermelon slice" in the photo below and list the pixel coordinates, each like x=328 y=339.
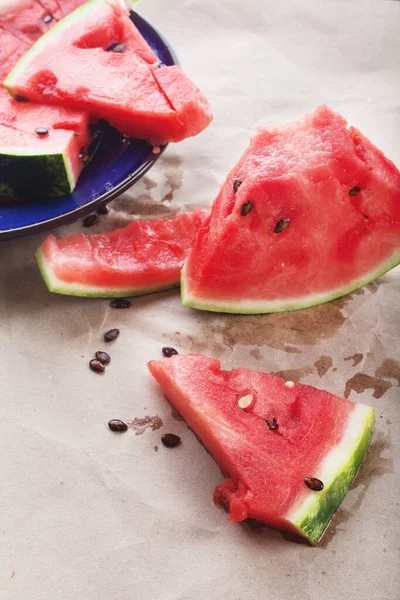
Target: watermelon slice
x=159 y=105
x=144 y=257
x=289 y=451
x=311 y=212
x=29 y=18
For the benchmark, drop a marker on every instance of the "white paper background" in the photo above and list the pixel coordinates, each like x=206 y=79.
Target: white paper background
x=89 y=515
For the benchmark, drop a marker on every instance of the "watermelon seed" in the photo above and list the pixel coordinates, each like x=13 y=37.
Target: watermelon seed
x=111 y=335
x=96 y=366
x=121 y=303
x=48 y=19
x=76 y=134
x=41 y=131
x=247 y=207
x=168 y=352
x=289 y=384
x=282 y=225
x=354 y=190
x=103 y=210
x=245 y=401
x=170 y=440
x=314 y=484
x=116 y=47
x=19 y=98
x=273 y=424
x=365 y=216
x=90 y=221
x=103 y=357
x=236 y=185
x=117 y=425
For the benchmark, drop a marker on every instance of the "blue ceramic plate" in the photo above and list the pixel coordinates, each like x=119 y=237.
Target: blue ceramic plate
x=117 y=164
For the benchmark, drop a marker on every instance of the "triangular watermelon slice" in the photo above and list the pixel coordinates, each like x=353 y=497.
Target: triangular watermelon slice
x=141 y=258
x=289 y=451
x=117 y=79
x=311 y=212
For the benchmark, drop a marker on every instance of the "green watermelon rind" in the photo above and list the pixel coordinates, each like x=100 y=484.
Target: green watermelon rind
x=50 y=173
x=57 y=286
x=312 y=515
x=251 y=307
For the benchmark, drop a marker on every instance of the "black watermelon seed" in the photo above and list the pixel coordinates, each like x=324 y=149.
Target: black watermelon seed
x=76 y=134
x=354 y=190
x=103 y=357
x=48 y=19
x=168 y=352
x=314 y=484
x=282 y=225
x=41 y=130
x=90 y=221
x=103 y=210
x=121 y=303
x=96 y=366
x=236 y=185
x=116 y=47
x=170 y=440
x=117 y=425
x=366 y=216
x=273 y=424
x=247 y=207
x=111 y=335
x=19 y=98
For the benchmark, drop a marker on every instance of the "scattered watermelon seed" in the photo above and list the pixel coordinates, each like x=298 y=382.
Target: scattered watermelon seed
x=48 y=19
x=117 y=425
x=168 y=352
x=365 y=216
x=19 y=98
x=111 y=335
x=103 y=357
x=170 y=440
x=289 y=384
x=314 y=484
x=76 y=134
x=236 y=185
x=121 y=303
x=41 y=130
x=116 y=47
x=90 y=221
x=247 y=207
x=96 y=366
x=354 y=190
x=273 y=424
x=103 y=210
x=246 y=401
x=282 y=225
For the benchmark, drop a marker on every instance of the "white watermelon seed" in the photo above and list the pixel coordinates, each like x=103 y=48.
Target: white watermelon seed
x=289 y=384
x=245 y=401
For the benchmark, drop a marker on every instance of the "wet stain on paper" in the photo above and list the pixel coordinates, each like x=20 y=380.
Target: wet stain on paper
x=256 y=353
x=140 y=424
x=361 y=382
x=294 y=375
x=356 y=358
x=389 y=369
x=323 y=365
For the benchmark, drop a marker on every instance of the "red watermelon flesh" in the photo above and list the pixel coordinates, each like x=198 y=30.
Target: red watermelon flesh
x=68 y=6
x=317 y=210
x=52 y=8
x=139 y=100
x=268 y=436
x=143 y=257
x=11 y=49
x=26 y=17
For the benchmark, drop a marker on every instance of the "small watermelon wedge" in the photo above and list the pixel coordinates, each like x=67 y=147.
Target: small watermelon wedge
x=311 y=212
x=289 y=451
x=142 y=99
x=141 y=258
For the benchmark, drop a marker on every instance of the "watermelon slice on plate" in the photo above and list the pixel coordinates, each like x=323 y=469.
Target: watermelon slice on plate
x=311 y=212
x=289 y=451
x=159 y=105
x=141 y=258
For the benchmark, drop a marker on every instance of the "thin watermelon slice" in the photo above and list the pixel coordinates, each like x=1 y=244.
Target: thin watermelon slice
x=159 y=105
x=29 y=18
x=144 y=257
x=270 y=438
x=311 y=212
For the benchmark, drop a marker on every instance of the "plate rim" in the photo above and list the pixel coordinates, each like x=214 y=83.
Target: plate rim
x=109 y=195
